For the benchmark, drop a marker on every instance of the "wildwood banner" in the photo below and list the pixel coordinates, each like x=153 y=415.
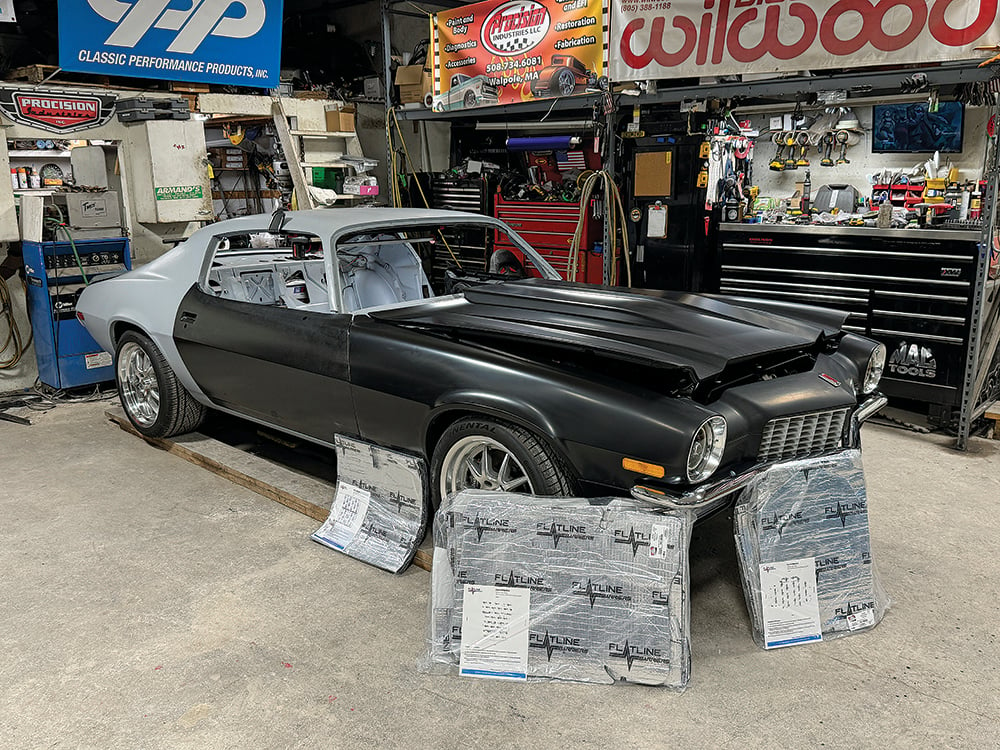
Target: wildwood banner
x=685 y=38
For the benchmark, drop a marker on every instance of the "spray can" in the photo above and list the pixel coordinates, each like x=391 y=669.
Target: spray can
x=22 y=178
x=13 y=178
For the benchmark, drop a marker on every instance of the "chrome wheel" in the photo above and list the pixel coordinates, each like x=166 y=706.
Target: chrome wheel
x=140 y=391
x=482 y=463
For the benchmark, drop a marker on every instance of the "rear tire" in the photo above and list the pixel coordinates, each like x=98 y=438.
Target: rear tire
x=481 y=453
x=153 y=398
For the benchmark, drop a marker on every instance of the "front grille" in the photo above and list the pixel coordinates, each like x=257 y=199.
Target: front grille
x=802 y=435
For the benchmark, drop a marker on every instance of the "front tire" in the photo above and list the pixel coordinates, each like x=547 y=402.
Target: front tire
x=154 y=400
x=480 y=453
x=470 y=100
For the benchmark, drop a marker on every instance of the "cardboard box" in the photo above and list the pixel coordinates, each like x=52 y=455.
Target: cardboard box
x=340 y=120
x=414 y=82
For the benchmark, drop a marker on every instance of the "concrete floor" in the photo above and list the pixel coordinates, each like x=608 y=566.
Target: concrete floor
x=147 y=603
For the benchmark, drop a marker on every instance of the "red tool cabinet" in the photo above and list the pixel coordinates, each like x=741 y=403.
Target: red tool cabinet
x=548 y=226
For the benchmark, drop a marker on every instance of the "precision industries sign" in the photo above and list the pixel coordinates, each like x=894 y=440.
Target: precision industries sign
x=234 y=42
x=56 y=111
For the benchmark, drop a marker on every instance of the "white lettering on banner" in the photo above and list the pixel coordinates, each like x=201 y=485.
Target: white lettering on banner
x=104 y=58
x=86 y=107
x=193 y=25
x=680 y=38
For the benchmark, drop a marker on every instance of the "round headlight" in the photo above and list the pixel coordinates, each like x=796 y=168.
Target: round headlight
x=706 y=449
x=874 y=372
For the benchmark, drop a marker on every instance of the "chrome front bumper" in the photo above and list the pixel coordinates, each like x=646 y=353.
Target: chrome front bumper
x=709 y=497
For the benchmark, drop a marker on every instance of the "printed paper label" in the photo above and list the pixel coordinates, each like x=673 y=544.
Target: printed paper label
x=656 y=226
x=863 y=619
x=495 y=632
x=663 y=538
x=348 y=513
x=98 y=359
x=790 y=603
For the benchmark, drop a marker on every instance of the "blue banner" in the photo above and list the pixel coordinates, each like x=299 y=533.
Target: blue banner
x=234 y=42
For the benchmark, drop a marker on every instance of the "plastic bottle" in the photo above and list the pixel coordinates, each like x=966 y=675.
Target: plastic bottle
x=22 y=178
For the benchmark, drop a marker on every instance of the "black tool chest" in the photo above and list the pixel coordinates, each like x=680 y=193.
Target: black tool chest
x=911 y=289
x=470 y=246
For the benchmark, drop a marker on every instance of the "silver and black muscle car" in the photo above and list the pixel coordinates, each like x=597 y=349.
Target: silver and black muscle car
x=325 y=322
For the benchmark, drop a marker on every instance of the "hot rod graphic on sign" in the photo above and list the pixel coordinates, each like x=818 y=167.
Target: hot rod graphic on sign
x=524 y=49
x=564 y=76
x=465 y=92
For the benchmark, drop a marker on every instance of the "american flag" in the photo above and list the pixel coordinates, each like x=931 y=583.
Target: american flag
x=566 y=160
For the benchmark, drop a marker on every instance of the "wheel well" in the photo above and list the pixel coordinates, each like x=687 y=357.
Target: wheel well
x=118 y=329
x=446 y=419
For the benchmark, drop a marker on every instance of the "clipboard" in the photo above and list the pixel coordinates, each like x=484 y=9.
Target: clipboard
x=656 y=221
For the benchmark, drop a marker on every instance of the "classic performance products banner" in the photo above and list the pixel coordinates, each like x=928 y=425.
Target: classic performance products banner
x=498 y=52
x=683 y=38
x=236 y=42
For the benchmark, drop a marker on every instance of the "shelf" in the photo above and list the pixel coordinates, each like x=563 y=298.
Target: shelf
x=584 y=102
x=331 y=164
x=859 y=83
x=38 y=154
x=324 y=133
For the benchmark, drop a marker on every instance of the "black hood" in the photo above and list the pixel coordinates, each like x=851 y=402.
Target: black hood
x=663 y=329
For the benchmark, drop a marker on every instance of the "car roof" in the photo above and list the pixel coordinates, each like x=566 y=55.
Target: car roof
x=325 y=222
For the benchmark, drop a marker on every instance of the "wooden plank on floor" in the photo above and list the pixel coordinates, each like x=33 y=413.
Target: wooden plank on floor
x=425 y=555
x=307 y=495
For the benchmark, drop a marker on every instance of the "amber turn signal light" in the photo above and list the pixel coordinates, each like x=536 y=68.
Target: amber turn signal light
x=641 y=467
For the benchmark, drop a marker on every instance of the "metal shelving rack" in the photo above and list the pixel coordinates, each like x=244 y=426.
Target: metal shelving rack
x=981 y=387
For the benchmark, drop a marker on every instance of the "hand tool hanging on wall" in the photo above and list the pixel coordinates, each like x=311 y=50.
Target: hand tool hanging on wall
x=704 y=153
x=778 y=162
x=729 y=170
x=790 y=139
x=842 y=138
x=803 y=142
x=827 y=160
